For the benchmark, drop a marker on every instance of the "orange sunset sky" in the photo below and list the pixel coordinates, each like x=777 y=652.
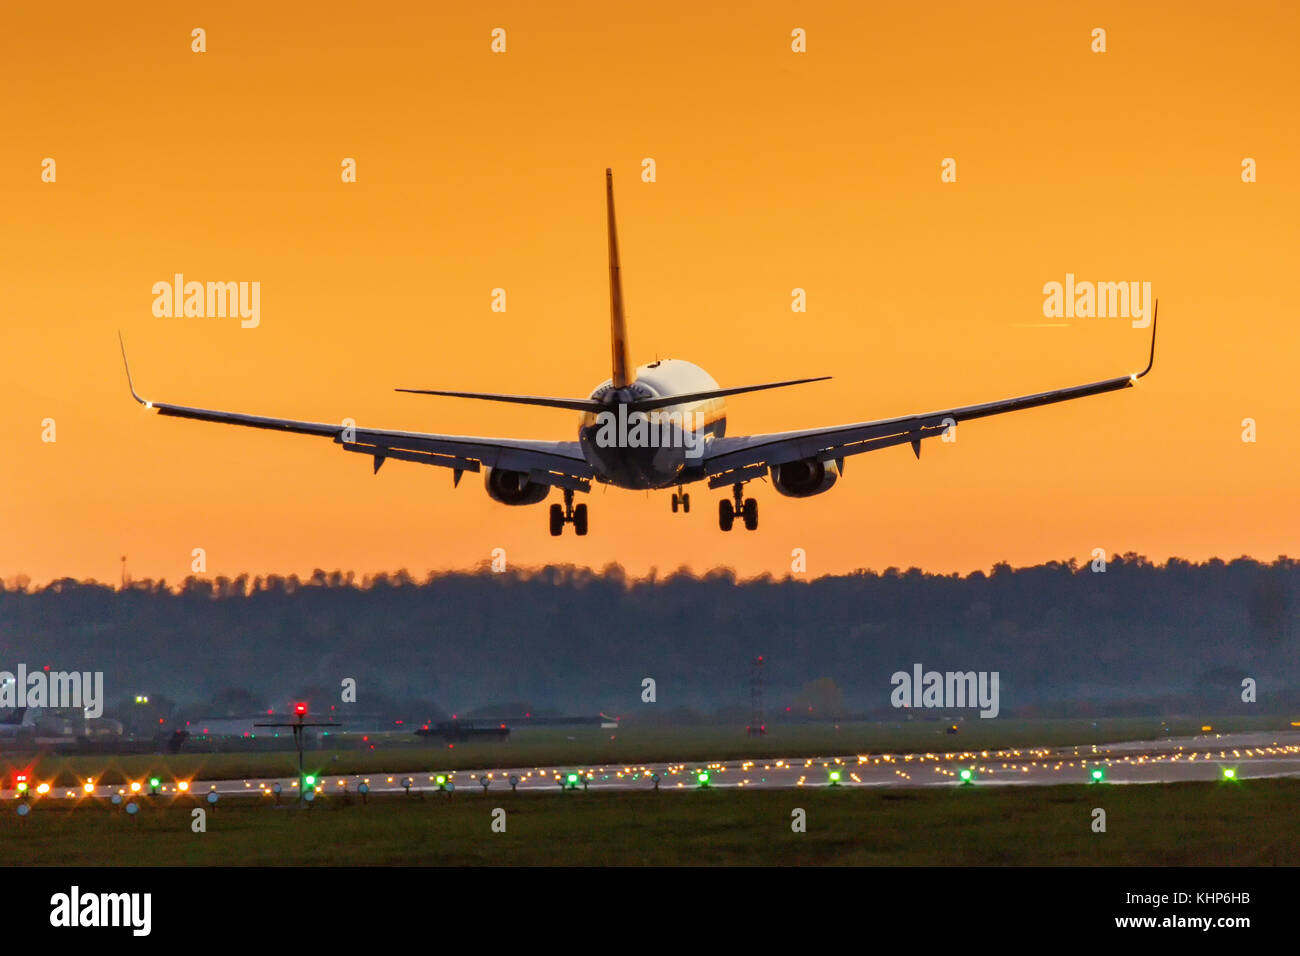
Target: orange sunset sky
x=775 y=170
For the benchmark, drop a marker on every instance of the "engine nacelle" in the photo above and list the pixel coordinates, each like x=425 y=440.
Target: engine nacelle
x=804 y=478
x=513 y=487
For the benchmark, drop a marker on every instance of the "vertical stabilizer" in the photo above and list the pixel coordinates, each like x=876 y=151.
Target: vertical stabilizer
x=622 y=366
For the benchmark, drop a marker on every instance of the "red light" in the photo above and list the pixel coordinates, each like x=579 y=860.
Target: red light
x=503 y=726
x=366 y=737
x=451 y=746
x=21 y=778
x=300 y=709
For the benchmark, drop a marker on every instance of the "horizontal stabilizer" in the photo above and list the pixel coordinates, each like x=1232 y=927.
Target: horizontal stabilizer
x=647 y=404
x=576 y=404
x=591 y=405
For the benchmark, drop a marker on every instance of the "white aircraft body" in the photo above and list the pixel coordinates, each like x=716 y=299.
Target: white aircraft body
x=659 y=426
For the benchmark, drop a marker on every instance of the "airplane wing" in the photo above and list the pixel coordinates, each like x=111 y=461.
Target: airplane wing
x=559 y=463
x=729 y=460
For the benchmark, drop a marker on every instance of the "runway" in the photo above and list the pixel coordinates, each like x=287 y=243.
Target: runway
x=1229 y=758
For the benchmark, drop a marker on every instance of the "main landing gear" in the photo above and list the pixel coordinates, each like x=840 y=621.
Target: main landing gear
x=745 y=508
x=683 y=499
x=560 y=516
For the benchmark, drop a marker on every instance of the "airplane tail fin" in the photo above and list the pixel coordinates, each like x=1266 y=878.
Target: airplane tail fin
x=623 y=371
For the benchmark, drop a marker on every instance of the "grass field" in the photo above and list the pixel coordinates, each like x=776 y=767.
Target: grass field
x=588 y=746
x=1188 y=824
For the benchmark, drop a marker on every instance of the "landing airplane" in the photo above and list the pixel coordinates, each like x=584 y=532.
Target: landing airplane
x=659 y=426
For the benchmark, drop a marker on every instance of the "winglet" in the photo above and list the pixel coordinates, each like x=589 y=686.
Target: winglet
x=129 y=384
x=1155 y=316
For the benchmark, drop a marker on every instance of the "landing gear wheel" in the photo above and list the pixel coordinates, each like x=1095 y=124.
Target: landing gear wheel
x=580 y=520
x=726 y=515
x=686 y=502
x=557 y=521
x=675 y=500
x=751 y=514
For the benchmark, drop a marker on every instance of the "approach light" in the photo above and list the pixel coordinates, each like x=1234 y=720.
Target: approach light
x=135 y=786
x=88 y=786
x=42 y=788
x=182 y=785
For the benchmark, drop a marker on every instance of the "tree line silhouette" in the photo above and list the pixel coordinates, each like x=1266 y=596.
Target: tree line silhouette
x=1066 y=640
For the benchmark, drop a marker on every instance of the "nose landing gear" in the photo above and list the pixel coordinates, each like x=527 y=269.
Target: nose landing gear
x=744 y=508
x=683 y=499
x=569 y=513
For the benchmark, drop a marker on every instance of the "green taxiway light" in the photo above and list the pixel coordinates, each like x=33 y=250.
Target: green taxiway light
x=966 y=776
x=310 y=780
x=442 y=780
x=835 y=777
x=1098 y=775
x=703 y=778
x=1229 y=773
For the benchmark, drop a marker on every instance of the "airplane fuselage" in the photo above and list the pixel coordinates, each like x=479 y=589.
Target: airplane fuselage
x=656 y=449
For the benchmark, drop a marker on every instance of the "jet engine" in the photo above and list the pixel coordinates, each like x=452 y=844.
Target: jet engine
x=513 y=487
x=804 y=478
